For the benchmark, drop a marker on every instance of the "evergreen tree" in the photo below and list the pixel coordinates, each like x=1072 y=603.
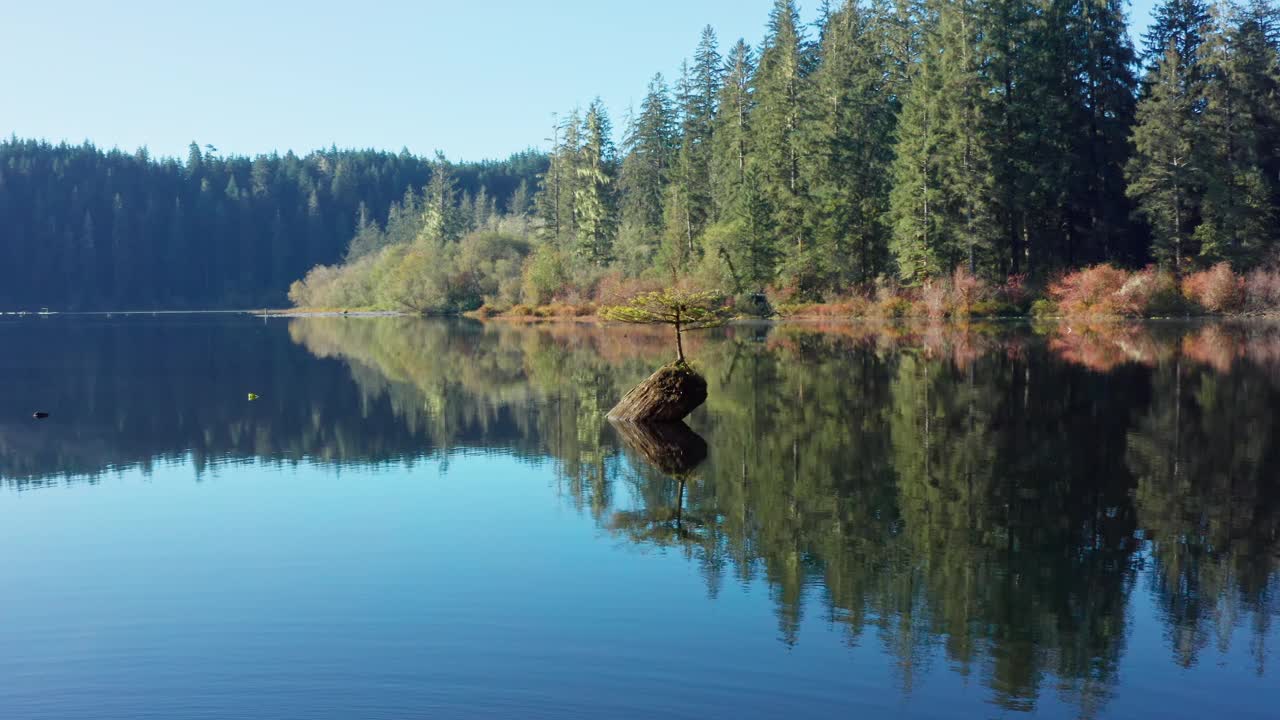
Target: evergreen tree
x=780 y=93
x=518 y=205
x=731 y=138
x=1105 y=101
x=1163 y=180
x=593 y=202
x=848 y=147
x=1180 y=23
x=88 y=257
x=121 y=256
x=649 y=147
x=557 y=191
x=368 y=239
x=700 y=90
x=443 y=219
x=943 y=181
x=1238 y=218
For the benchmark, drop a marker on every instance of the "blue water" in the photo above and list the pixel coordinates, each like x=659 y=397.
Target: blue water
x=152 y=573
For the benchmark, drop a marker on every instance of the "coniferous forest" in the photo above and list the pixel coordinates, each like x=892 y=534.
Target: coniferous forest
x=890 y=141
x=82 y=228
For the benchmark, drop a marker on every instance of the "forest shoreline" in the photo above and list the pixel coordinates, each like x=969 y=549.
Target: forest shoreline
x=777 y=319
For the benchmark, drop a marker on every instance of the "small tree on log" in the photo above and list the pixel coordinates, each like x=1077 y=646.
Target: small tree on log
x=684 y=309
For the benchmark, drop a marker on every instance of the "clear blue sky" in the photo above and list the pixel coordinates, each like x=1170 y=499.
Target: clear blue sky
x=474 y=78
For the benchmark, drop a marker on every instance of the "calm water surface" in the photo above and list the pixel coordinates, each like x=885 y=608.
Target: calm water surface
x=434 y=519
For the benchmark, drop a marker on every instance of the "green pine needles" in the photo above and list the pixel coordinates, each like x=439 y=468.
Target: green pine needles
x=684 y=309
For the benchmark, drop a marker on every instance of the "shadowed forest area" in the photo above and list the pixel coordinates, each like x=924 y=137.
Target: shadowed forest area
x=986 y=498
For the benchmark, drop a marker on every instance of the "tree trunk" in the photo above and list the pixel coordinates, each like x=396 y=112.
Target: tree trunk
x=679 y=339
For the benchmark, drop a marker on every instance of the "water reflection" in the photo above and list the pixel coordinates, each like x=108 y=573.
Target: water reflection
x=991 y=497
x=989 y=493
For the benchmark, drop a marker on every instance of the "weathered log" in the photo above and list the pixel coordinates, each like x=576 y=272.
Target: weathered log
x=672 y=448
x=668 y=395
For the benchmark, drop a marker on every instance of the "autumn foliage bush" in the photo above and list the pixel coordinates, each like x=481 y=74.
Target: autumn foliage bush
x=1091 y=291
x=1218 y=289
x=1262 y=290
x=1105 y=290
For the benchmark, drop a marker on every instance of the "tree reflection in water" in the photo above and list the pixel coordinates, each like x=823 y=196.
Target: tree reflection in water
x=988 y=496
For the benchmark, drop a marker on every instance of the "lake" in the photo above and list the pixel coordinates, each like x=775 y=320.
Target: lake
x=430 y=518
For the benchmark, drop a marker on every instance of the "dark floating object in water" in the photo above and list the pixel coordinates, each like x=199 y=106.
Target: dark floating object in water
x=39 y=415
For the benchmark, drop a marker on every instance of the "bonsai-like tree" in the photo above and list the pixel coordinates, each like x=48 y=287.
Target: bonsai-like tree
x=686 y=310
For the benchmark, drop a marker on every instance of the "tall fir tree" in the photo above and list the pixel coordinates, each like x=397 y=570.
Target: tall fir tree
x=943 y=181
x=443 y=219
x=1163 y=179
x=732 y=137
x=780 y=94
x=1181 y=23
x=1104 y=94
x=649 y=148
x=848 y=147
x=594 y=202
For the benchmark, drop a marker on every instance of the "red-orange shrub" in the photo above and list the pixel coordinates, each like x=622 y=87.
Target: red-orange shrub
x=1091 y=291
x=1218 y=289
x=967 y=290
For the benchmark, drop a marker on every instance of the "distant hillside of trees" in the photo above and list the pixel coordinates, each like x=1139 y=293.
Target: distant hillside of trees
x=83 y=228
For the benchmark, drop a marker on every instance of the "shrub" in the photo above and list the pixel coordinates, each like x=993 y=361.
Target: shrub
x=967 y=290
x=614 y=288
x=753 y=304
x=543 y=275
x=793 y=309
x=1043 y=308
x=1262 y=290
x=1152 y=293
x=1014 y=292
x=520 y=310
x=894 y=306
x=1218 y=289
x=1092 y=291
x=935 y=298
x=994 y=308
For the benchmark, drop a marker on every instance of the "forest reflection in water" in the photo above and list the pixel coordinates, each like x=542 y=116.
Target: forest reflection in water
x=994 y=495
x=997 y=492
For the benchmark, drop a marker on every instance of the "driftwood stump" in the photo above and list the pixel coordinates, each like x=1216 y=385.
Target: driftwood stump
x=668 y=395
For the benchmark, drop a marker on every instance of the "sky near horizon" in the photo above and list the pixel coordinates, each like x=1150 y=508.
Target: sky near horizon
x=478 y=79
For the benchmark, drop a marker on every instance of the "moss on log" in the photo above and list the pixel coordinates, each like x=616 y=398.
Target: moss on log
x=668 y=395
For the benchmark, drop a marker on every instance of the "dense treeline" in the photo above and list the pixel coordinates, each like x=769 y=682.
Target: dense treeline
x=896 y=140
x=83 y=228
x=910 y=138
